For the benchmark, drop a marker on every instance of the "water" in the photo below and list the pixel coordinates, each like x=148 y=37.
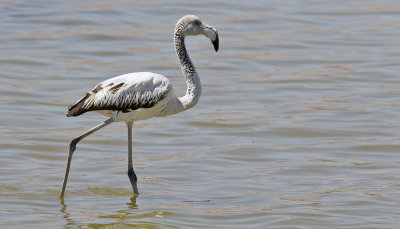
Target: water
x=297 y=126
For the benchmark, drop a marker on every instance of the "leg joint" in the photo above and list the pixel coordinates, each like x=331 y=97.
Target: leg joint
x=73 y=143
x=132 y=175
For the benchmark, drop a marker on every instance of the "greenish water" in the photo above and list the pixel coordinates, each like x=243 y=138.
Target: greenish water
x=297 y=126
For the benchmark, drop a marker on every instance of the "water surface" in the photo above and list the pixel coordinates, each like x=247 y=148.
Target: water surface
x=297 y=126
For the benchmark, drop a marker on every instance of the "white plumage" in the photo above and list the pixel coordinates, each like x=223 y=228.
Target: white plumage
x=142 y=95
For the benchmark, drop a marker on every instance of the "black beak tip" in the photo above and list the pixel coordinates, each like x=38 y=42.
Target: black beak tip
x=216 y=44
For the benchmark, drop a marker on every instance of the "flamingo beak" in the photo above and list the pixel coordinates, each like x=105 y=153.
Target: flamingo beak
x=216 y=42
x=212 y=34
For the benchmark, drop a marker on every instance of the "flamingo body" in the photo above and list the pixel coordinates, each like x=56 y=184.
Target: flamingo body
x=130 y=97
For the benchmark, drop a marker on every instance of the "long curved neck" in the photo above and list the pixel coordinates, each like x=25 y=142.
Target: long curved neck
x=193 y=84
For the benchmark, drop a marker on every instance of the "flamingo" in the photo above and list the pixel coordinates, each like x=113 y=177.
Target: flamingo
x=143 y=95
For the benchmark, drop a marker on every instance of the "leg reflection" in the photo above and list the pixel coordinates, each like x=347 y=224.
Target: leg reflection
x=67 y=216
x=132 y=204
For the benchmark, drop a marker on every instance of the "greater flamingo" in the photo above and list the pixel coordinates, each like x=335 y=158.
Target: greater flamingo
x=142 y=95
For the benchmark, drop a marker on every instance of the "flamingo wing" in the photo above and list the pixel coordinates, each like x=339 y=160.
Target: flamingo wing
x=124 y=93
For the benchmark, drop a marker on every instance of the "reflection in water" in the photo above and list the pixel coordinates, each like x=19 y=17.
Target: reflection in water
x=132 y=204
x=67 y=216
x=124 y=218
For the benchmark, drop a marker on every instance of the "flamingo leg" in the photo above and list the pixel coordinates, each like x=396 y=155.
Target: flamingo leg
x=131 y=174
x=72 y=147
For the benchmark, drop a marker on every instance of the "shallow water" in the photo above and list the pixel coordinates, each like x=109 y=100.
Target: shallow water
x=297 y=126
